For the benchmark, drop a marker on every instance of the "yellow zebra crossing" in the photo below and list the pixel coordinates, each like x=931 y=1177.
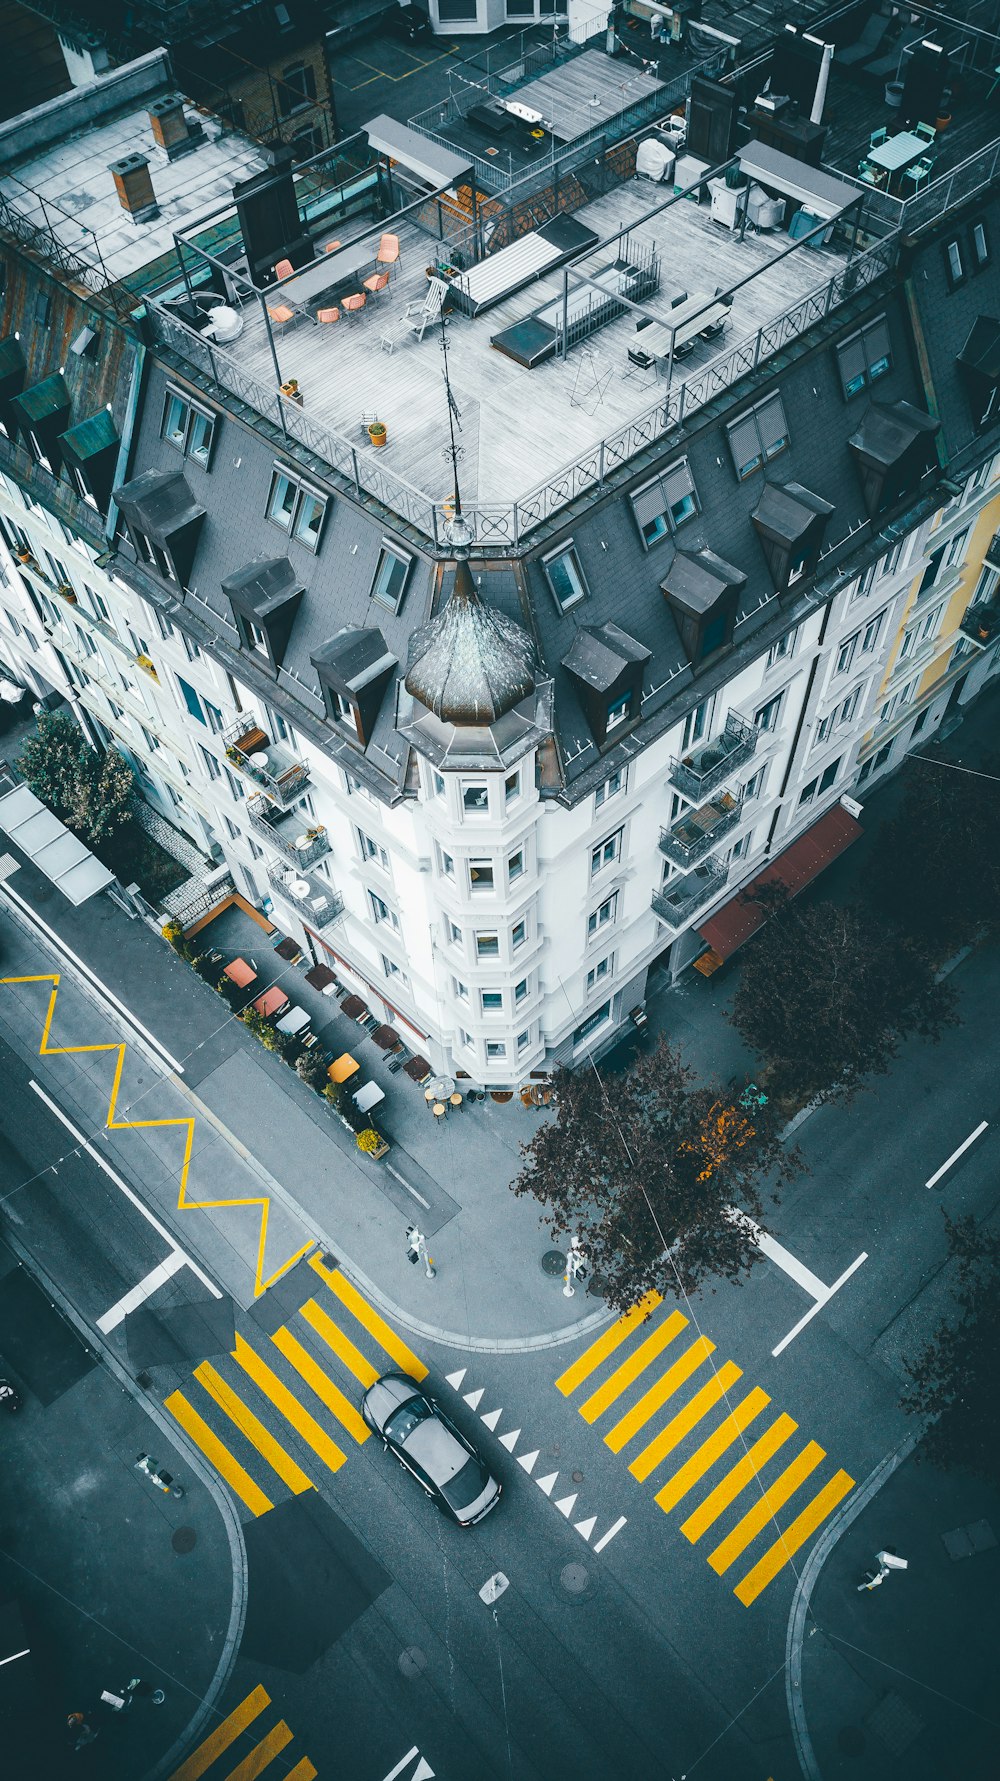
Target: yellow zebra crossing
x=688 y=1389
x=216 y=1751
x=321 y=1418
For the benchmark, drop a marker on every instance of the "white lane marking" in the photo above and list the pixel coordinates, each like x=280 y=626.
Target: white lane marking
x=491 y=1419
x=510 y=1441
x=400 y=1766
x=410 y=1190
x=784 y=1259
x=59 y=945
x=124 y=1188
x=971 y=1139
x=423 y=1771
x=612 y=1531
x=586 y=1528
x=472 y=1398
x=545 y=1484
x=827 y=1295
x=565 y=1505
x=15 y=1655
x=131 y=1300
x=527 y=1460
x=455 y=1379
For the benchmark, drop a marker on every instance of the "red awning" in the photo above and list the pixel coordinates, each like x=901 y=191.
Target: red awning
x=795 y=868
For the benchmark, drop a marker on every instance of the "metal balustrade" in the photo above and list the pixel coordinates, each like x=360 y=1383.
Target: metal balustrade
x=281 y=774
x=682 y=896
x=697 y=831
x=315 y=901
x=283 y=829
x=703 y=768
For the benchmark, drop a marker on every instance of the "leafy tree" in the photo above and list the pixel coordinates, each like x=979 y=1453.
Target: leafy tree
x=648 y=1170
x=828 y=991
x=955 y=1375
x=92 y=793
x=935 y=867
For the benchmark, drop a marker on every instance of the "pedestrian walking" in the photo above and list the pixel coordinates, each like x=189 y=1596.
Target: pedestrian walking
x=79 y=1732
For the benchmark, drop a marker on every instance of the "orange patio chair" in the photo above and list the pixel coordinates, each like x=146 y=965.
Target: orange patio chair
x=284 y=269
x=379 y=281
x=332 y=246
x=355 y=304
x=281 y=314
x=388 y=251
x=328 y=315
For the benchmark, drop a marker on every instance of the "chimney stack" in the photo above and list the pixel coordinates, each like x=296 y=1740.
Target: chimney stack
x=135 y=188
x=171 y=130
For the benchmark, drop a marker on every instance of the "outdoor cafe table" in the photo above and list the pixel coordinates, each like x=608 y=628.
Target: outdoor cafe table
x=293 y=1021
x=342 y=1067
x=368 y=1097
x=239 y=972
x=897 y=152
x=686 y=322
x=440 y=1088
x=331 y=271
x=271 y=1002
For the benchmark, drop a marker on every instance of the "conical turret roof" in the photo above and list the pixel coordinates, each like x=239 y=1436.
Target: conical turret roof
x=471 y=664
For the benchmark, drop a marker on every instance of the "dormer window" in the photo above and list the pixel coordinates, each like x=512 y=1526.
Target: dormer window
x=256 y=637
x=42 y=414
x=565 y=577
x=892 y=448
x=758 y=436
x=662 y=505
x=703 y=591
x=354 y=670
x=619 y=711
x=298 y=509
x=391 y=574
x=790 y=522
x=265 y=597
x=606 y=666
x=164 y=522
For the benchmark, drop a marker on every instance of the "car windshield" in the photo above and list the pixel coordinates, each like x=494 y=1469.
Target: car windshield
x=403 y=1421
x=466 y=1485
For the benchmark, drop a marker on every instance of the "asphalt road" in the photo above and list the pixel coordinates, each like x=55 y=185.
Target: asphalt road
x=365 y=1627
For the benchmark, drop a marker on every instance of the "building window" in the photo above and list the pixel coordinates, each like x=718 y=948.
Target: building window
x=754 y=786
x=980 y=244
x=518 y=934
x=230 y=827
x=872 y=633
x=296 y=88
x=782 y=650
x=741 y=848
x=381 y=913
x=212 y=767
x=618 y=712
x=495 y=1048
x=391 y=969
x=521 y=991
x=447 y=864
x=662 y=505
x=845 y=654
x=237 y=790
x=523 y=1040
x=605 y=853
x=610 y=788
x=603 y=915
x=476 y=799
x=511 y=787
x=298 y=510
x=481 y=875
x=921 y=720
x=565 y=577
x=865 y=357
x=492 y=1001
x=600 y=972
x=390 y=578
x=372 y=850
x=467 y=1040
x=461 y=989
x=953 y=264
x=758 y=436
x=190 y=428
x=589 y=1026
x=888 y=564
x=956 y=550
x=487 y=946
x=188 y=694
x=515 y=865
x=767 y=717
x=454 y=934
x=438 y=785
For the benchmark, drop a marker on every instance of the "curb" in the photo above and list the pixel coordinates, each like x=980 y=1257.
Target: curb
x=803 y=1595
x=223 y=1502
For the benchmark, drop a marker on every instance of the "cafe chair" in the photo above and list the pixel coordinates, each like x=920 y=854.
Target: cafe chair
x=284 y=269
x=681 y=297
x=354 y=304
x=926 y=132
x=328 y=315
x=388 y=251
x=378 y=282
x=877 y=138
x=919 y=173
x=281 y=315
x=332 y=246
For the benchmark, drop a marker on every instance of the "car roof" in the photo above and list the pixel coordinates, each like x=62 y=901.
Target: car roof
x=435 y=1449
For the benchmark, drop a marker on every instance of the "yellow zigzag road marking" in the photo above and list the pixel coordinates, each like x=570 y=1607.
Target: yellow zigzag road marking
x=260 y=1285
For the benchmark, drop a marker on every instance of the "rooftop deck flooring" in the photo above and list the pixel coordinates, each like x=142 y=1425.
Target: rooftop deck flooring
x=518 y=426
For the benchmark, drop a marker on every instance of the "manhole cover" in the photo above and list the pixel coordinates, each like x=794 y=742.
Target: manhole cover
x=184 y=1539
x=573 y=1582
x=412 y=1661
x=597 y=1286
x=553 y=1262
x=851 y=1740
x=577 y=1477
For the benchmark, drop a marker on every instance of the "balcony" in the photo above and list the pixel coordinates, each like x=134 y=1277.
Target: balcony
x=981 y=625
x=300 y=843
x=703 y=769
x=315 y=901
x=682 y=896
x=267 y=763
x=696 y=831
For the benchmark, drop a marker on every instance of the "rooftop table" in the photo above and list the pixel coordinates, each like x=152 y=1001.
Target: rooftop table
x=343 y=1067
x=322 y=978
x=305 y=288
x=686 y=322
x=898 y=152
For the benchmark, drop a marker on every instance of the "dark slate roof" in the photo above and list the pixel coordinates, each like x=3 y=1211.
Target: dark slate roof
x=787 y=511
x=160 y=503
x=599 y=654
x=946 y=314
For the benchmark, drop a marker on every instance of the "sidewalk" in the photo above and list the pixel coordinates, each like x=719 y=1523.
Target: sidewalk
x=901 y=1680
x=109 y=1578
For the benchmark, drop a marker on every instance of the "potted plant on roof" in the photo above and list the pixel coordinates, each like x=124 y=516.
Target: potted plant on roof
x=377 y=433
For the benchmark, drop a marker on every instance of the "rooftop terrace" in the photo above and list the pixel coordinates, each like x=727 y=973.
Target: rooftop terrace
x=530 y=439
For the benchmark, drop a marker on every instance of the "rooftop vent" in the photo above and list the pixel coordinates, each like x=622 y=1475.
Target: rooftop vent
x=135 y=188
x=171 y=130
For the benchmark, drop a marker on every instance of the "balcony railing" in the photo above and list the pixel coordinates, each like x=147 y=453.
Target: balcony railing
x=270 y=765
x=678 y=899
x=691 y=836
x=981 y=625
x=992 y=558
x=703 y=769
x=314 y=900
x=300 y=846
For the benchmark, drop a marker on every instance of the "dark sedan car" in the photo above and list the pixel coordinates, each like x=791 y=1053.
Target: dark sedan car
x=429 y=1445
x=411 y=23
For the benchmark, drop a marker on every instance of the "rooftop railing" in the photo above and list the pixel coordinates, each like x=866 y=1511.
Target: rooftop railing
x=502 y=526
